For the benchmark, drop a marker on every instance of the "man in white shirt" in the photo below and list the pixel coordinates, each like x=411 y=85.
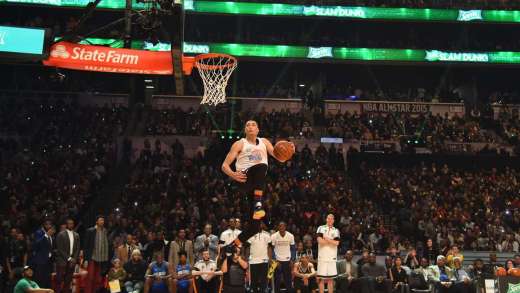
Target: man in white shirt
x=328 y=241
x=206 y=269
x=227 y=237
x=259 y=256
x=285 y=253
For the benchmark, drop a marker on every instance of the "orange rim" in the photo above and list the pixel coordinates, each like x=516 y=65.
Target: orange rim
x=231 y=61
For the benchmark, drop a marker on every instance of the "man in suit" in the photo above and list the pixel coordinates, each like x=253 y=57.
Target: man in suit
x=124 y=251
x=97 y=254
x=67 y=256
x=206 y=241
x=181 y=245
x=347 y=274
x=41 y=258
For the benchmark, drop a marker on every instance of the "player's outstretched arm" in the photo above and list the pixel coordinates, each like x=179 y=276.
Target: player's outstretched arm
x=231 y=156
x=270 y=149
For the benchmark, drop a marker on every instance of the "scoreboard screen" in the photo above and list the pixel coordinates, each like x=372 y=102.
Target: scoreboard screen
x=18 y=42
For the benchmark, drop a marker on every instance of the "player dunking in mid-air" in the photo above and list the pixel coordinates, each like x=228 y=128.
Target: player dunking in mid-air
x=251 y=154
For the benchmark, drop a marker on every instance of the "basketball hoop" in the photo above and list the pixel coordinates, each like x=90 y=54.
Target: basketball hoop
x=215 y=70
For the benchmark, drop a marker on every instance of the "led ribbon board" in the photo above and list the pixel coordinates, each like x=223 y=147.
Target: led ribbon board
x=324 y=53
x=108 y=4
x=21 y=42
x=355 y=54
x=381 y=13
x=274 y=9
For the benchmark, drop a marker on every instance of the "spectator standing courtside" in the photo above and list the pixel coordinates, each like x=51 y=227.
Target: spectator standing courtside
x=285 y=254
x=124 y=251
x=229 y=235
x=42 y=254
x=328 y=241
x=97 y=255
x=260 y=254
x=16 y=253
x=181 y=245
x=67 y=256
x=206 y=241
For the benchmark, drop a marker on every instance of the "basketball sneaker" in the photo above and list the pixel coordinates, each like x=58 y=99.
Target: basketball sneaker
x=259 y=212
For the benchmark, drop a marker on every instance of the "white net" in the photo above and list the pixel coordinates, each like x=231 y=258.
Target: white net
x=215 y=70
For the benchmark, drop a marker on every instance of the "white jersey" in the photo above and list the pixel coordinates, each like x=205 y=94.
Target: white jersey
x=205 y=267
x=229 y=236
x=282 y=245
x=251 y=154
x=258 y=251
x=327 y=252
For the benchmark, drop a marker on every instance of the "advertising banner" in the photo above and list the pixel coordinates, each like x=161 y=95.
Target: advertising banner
x=386 y=107
x=105 y=59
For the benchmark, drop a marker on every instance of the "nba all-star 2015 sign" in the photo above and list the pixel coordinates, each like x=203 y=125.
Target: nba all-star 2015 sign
x=104 y=59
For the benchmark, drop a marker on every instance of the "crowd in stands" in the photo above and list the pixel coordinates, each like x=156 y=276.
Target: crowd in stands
x=339 y=91
x=473 y=209
x=54 y=158
x=510 y=129
x=435 y=130
x=204 y=121
x=170 y=198
x=432 y=128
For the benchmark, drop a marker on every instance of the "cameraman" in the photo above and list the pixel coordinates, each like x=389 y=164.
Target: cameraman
x=234 y=268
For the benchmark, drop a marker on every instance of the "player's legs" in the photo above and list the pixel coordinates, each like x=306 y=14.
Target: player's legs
x=330 y=285
x=254 y=188
x=321 y=285
x=287 y=275
x=326 y=271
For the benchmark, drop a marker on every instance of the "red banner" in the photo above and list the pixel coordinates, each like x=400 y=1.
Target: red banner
x=105 y=59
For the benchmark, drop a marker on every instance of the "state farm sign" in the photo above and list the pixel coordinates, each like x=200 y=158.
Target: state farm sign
x=105 y=59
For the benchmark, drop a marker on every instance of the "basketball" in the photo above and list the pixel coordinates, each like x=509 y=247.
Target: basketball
x=501 y=272
x=515 y=272
x=283 y=150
